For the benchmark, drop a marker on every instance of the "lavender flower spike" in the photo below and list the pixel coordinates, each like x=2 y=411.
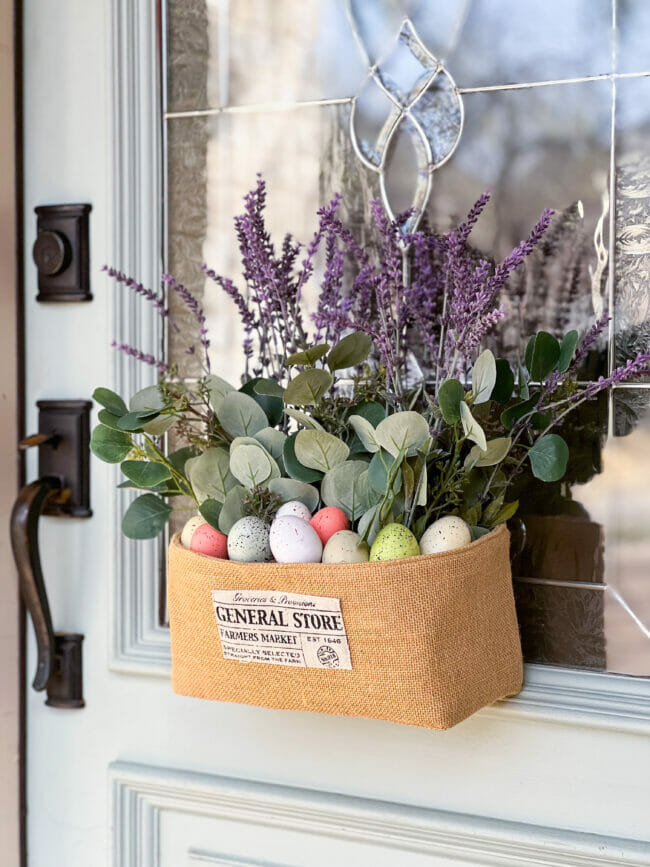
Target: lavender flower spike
x=158 y=301
x=193 y=305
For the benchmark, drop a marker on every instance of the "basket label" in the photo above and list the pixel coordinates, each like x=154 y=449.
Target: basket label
x=281 y=628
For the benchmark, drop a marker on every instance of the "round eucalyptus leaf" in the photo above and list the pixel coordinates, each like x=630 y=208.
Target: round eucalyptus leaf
x=273 y=441
x=146 y=517
x=549 y=457
x=544 y=356
x=292 y=489
x=240 y=415
x=505 y=383
x=308 y=356
x=370 y=410
x=210 y=511
x=402 y=432
x=302 y=418
x=567 y=349
x=135 y=421
x=273 y=406
x=107 y=418
x=217 y=389
x=145 y=474
x=320 y=450
x=378 y=470
x=308 y=387
x=250 y=465
x=209 y=474
x=110 y=445
x=484 y=377
x=255 y=443
x=366 y=433
x=293 y=466
x=350 y=351
x=148 y=399
x=111 y=401
x=233 y=508
x=346 y=486
x=450 y=396
x=471 y=428
x=496 y=451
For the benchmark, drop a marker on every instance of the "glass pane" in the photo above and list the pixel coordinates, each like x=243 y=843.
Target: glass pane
x=253 y=51
x=632 y=217
x=633 y=23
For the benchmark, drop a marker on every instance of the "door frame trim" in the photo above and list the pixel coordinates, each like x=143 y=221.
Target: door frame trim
x=140 y=645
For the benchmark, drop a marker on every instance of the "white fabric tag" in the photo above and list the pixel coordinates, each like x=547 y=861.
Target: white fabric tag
x=281 y=628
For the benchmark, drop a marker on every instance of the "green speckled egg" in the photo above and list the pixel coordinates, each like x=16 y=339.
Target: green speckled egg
x=393 y=543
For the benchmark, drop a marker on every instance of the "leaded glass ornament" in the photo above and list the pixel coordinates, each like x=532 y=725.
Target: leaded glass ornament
x=407 y=95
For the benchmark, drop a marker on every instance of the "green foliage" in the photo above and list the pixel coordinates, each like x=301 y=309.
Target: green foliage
x=505 y=382
x=294 y=468
x=308 y=356
x=346 y=486
x=542 y=355
x=210 y=476
x=484 y=377
x=272 y=405
x=319 y=450
x=450 y=397
x=145 y=517
x=210 y=510
x=350 y=351
x=549 y=457
x=111 y=401
x=308 y=387
x=292 y=489
x=403 y=431
x=145 y=474
x=109 y=445
x=240 y=415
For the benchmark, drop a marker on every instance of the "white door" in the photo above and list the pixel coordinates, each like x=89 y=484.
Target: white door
x=139 y=776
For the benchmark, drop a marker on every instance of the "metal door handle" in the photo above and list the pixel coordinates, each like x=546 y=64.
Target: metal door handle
x=59 y=654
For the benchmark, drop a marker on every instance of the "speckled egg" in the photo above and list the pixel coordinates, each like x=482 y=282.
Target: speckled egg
x=294 y=541
x=294 y=509
x=343 y=547
x=328 y=521
x=445 y=534
x=200 y=537
x=394 y=542
x=248 y=541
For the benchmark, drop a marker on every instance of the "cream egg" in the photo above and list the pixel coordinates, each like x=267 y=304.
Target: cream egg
x=343 y=547
x=295 y=509
x=248 y=541
x=445 y=534
x=293 y=540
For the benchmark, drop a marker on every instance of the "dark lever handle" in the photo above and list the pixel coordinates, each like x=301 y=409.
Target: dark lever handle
x=59 y=654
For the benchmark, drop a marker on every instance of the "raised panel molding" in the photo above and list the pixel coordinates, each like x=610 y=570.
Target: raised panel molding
x=139 y=644
x=143 y=795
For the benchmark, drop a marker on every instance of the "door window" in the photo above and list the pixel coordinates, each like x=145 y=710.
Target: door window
x=545 y=103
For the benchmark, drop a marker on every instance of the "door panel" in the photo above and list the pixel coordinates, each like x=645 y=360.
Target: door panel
x=145 y=777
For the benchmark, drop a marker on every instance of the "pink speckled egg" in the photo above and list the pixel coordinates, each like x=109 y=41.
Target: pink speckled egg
x=201 y=538
x=328 y=521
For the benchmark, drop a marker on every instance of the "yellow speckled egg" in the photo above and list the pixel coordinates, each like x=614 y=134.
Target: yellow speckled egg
x=394 y=542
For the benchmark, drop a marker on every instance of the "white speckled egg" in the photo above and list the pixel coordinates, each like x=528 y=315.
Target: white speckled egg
x=294 y=541
x=295 y=509
x=189 y=528
x=343 y=547
x=248 y=541
x=445 y=534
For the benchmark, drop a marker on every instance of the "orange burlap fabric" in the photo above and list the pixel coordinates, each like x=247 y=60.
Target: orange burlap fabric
x=432 y=638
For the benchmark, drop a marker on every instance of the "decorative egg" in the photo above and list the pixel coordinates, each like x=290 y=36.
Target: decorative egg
x=394 y=542
x=295 y=509
x=328 y=521
x=445 y=534
x=294 y=541
x=343 y=547
x=248 y=541
x=201 y=538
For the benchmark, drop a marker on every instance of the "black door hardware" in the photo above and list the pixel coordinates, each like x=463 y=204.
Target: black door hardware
x=61 y=253
x=62 y=489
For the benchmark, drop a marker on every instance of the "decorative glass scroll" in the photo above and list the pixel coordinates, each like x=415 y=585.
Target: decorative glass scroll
x=408 y=93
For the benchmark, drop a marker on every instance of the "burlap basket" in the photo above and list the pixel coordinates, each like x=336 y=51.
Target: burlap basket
x=432 y=638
